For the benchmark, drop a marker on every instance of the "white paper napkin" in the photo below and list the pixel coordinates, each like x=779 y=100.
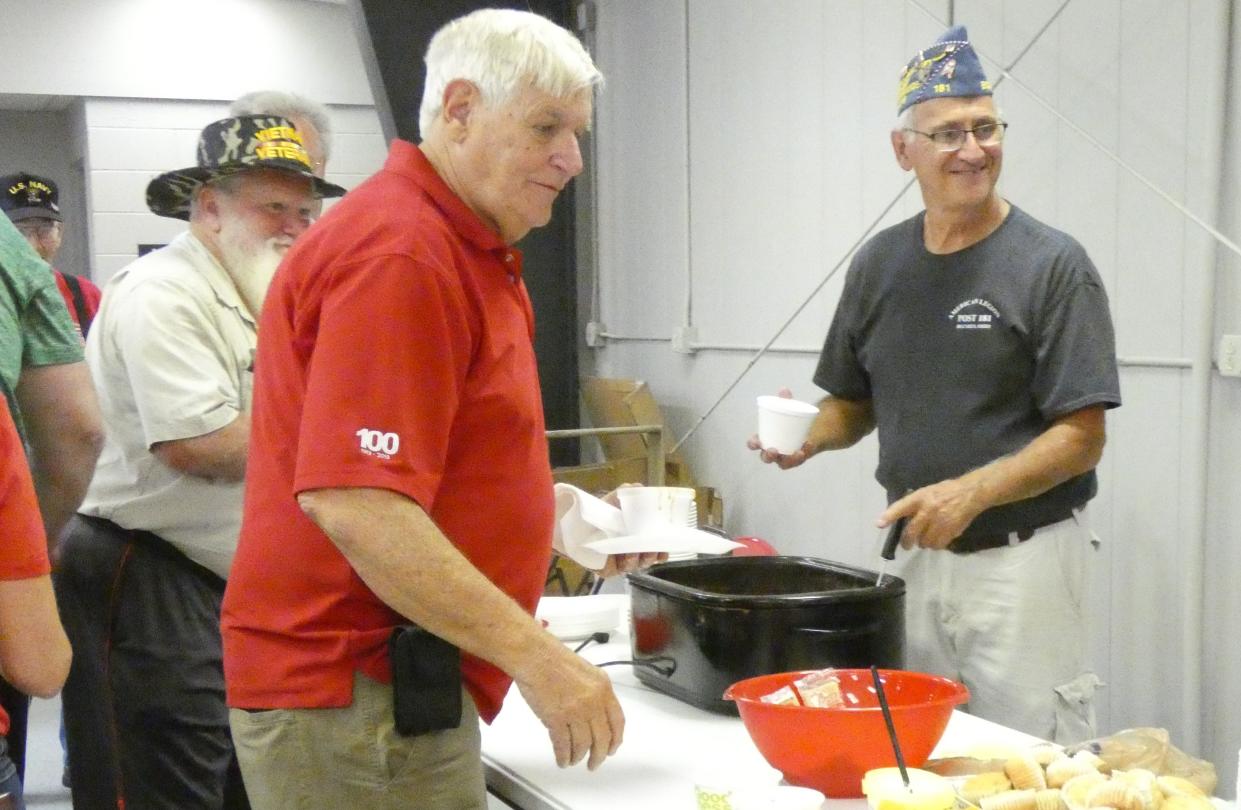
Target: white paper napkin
x=582 y=518
x=587 y=530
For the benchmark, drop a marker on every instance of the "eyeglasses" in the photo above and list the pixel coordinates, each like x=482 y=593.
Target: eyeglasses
x=38 y=228
x=950 y=140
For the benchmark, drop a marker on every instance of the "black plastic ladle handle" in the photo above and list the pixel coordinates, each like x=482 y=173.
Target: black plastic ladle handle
x=887 y=719
x=894 y=538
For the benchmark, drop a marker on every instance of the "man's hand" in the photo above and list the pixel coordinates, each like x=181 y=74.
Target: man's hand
x=937 y=514
x=841 y=423
x=574 y=700
x=625 y=563
x=784 y=461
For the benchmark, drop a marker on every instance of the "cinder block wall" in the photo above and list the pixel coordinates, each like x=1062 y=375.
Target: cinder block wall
x=130 y=141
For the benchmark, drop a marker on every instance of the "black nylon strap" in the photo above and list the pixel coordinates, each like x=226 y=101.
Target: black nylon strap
x=79 y=302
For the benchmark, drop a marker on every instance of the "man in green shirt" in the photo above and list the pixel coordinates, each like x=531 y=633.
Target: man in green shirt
x=49 y=392
x=46 y=381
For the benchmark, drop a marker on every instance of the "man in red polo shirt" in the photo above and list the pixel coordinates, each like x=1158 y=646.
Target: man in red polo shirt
x=34 y=653
x=399 y=472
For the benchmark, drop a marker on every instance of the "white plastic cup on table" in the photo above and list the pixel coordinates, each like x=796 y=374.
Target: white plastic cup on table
x=655 y=509
x=712 y=796
x=737 y=786
x=783 y=423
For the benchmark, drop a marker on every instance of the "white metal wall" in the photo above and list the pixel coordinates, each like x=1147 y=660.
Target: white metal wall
x=743 y=148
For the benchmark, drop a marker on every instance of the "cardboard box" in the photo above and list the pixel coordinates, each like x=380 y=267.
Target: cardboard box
x=628 y=403
x=623 y=403
x=612 y=402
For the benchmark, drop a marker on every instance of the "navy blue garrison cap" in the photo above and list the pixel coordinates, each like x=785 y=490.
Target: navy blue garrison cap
x=948 y=68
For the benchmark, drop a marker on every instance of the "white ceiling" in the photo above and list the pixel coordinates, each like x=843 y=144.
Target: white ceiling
x=24 y=102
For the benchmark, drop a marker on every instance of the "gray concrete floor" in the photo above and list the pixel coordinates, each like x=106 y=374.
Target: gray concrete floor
x=43 y=758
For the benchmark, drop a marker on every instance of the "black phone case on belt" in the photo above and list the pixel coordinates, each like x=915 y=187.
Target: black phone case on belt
x=426 y=681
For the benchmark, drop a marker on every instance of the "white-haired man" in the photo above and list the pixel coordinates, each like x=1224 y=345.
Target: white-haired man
x=312 y=119
x=144 y=562
x=399 y=496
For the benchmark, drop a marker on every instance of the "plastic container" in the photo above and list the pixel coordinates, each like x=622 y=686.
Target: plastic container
x=702 y=625
x=783 y=423
x=831 y=749
x=652 y=509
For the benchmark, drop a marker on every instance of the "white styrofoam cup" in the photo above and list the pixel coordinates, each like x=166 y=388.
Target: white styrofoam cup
x=783 y=423
x=655 y=509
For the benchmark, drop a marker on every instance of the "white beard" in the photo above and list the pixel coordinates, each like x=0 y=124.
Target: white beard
x=250 y=268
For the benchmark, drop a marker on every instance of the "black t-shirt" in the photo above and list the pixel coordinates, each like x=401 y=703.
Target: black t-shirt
x=968 y=357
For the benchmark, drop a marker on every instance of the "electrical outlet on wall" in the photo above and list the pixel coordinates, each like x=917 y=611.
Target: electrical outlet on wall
x=594 y=334
x=684 y=338
x=1229 y=359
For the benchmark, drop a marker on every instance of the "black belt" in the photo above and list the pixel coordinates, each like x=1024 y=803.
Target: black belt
x=156 y=545
x=968 y=544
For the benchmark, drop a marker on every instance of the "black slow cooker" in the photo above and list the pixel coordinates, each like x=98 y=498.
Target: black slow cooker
x=699 y=626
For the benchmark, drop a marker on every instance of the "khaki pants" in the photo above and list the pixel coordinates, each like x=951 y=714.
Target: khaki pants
x=1011 y=624
x=307 y=759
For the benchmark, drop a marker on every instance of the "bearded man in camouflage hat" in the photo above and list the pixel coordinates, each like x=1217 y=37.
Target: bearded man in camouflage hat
x=977 y=341
x=172 y=357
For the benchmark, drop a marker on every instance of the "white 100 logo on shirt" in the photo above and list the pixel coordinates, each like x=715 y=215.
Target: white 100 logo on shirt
x=378 y=443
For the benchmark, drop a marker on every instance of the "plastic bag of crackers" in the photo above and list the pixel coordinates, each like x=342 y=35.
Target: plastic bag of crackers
x=1103 y=774
x=819 y=689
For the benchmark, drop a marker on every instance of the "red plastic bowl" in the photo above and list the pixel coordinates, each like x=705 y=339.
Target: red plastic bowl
x=831 y=749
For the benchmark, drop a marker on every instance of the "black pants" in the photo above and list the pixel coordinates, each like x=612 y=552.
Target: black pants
x=145 y=718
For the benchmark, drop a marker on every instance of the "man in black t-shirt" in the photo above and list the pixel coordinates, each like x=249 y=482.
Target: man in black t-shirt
x=979 y=344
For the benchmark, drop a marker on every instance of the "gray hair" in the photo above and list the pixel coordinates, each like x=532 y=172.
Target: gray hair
x=905 y=122
x=227 y=184
x=499 y=51
x=287 y=105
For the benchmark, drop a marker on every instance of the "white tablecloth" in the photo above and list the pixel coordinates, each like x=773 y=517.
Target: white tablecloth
x=668 y=747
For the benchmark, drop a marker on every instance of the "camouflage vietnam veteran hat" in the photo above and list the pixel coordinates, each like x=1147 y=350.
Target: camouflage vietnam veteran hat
x=235 y=145
x=949 y=68
x=26 y=196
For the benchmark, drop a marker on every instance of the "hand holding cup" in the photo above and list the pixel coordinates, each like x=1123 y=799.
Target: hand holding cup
x=783 y=425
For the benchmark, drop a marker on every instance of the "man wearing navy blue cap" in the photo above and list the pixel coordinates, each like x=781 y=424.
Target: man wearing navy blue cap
x=978 y=342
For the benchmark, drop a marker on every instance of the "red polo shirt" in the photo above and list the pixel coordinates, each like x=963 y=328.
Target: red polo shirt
x=83 y=303
x=395 y=351
x=23 y=554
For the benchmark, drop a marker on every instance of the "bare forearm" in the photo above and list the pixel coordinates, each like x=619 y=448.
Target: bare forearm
x=65 y=433
x=61 y=487
x=1070 y=447
x=406 y=560
x=34 y=652
x=940 y=512
x=841 y=423
x=219 y=455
